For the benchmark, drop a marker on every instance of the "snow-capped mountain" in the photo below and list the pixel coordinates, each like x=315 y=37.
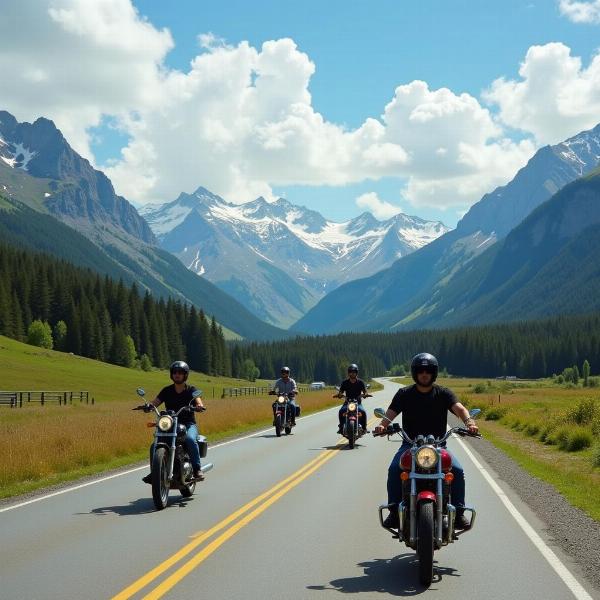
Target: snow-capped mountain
x=279 y=258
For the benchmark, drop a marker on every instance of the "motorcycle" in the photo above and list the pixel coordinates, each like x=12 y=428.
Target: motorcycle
x=426 y=514
x=171 y=467
x=352 y=428
x=283 y=413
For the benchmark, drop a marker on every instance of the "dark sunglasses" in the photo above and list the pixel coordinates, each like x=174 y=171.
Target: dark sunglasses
x=352 y=371
x=429 y=370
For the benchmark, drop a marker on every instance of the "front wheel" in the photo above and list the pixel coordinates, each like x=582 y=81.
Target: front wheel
x=288 y=430
x=425 y=542
x=278 y=425
x=160 y=478
x=351 y=431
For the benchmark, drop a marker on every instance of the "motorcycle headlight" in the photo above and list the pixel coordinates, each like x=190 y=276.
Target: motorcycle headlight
x=352 y=406
x=426 y=457
x=281 y=399
x=165 y=423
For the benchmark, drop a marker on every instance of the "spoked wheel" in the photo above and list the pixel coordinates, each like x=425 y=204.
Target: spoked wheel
x=351 y=433
x=288 y=430
x=278 y=425
x=160 y=479
x=425 y=542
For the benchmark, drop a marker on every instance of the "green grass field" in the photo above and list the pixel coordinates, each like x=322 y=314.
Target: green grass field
x=44 y=445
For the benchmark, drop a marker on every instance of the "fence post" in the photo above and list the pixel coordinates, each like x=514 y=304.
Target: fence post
x=498 y=398
x=42 y=400
x=92 y=399
x=20 y=399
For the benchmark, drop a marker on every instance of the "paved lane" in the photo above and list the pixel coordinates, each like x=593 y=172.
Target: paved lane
x=293 y=517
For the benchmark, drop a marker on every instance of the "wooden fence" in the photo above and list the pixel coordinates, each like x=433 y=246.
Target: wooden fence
x=20 y=398
x=258 y=391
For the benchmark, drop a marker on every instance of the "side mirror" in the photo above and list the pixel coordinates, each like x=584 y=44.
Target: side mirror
x=140 y=392
x=379 y=412
x=474 y=412
x=337 y=387
x=196 y=393
x=368 y=385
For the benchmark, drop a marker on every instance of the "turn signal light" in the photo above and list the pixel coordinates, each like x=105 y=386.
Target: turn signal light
x=449 y=477
x=150 y=424
x=404 y=475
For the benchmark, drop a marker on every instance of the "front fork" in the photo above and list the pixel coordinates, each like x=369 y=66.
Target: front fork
x=445 y=533
x=170 y=447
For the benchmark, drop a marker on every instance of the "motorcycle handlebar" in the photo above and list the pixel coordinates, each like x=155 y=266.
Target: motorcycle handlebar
x=394 y=428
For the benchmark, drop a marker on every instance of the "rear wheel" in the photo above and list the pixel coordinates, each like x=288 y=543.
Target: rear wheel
x=351 y=431
x=278 y=425
x=160 y=478
x=425 y=542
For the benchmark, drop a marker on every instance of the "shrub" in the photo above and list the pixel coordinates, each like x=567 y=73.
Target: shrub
x=480 y=388
x=596 y=455
x=40 y=334
x=578 y=439
x=495 y=413
x=533 y=428
x=584 y=413
x=546 y=431
x=559 y=436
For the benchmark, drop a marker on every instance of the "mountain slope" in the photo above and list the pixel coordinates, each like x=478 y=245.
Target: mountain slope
x=279 y=258
x=39 y=169
x=403 y=295
x=545 y=266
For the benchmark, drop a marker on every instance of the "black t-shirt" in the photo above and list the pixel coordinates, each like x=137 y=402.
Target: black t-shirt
x=353 y=390
x=423 y=414
x=175 y=401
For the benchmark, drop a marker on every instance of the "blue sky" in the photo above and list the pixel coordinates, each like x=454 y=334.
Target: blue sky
x=290 y=98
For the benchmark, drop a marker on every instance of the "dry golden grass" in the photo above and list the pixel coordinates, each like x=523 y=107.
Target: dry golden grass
x=47 y=444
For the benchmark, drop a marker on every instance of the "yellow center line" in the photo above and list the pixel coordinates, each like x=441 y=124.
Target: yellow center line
x=288 y=483
x=192 y=563
x=143 y=581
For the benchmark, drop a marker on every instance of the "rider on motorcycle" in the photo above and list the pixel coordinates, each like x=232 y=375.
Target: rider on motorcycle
x=286 y=385
x=356 y=390
x=424 y=407
x=175 y=397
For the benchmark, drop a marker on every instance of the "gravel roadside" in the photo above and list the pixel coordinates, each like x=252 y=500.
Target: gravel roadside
x=570 y=528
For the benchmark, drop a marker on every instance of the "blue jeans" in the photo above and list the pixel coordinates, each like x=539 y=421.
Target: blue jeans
x=394 y=484
x=191 y=445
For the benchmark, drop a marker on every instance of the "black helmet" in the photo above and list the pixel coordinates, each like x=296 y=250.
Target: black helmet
x=353 y=367
x=424 y=360
x=179 y=365
x=285 y=370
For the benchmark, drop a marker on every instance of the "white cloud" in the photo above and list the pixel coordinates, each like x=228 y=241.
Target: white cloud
x=556 y=97
x=75 y=61
x=381 y=209
x=581 y=12
x=240 y=120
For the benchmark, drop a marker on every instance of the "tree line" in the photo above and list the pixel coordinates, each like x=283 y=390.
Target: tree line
x=530 y=349
x=56 y=304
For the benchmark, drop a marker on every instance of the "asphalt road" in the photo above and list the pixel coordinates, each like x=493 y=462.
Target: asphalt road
x=292 y=517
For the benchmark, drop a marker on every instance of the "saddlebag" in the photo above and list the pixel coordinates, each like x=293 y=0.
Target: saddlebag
x=297 y=410
x=202 y=446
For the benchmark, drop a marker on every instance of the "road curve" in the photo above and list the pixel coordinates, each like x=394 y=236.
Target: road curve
x=292 y=517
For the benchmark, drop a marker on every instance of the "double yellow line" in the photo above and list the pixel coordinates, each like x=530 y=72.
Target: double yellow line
x=258 y=504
